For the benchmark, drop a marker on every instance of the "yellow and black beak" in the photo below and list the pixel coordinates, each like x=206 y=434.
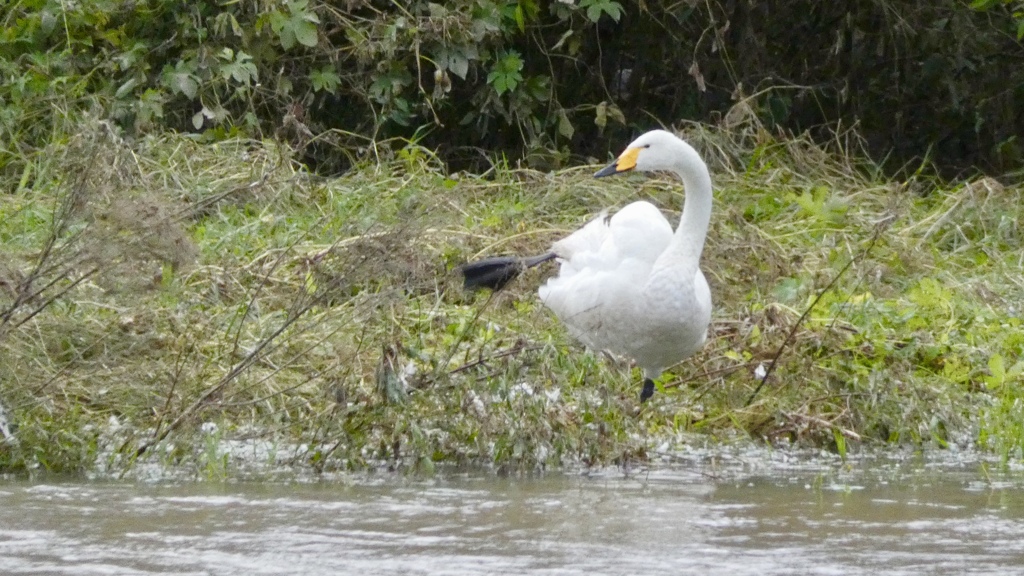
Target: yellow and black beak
x=625 y=163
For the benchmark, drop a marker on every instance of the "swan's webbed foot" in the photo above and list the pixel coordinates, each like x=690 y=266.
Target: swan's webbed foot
x=648 y=390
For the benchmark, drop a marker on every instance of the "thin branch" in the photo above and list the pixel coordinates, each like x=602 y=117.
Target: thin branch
x=514 y=350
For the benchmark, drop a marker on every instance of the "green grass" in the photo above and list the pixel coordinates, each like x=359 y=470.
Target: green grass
x=195 y=283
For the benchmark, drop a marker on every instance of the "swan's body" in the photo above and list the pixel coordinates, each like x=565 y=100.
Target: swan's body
x=631 y=285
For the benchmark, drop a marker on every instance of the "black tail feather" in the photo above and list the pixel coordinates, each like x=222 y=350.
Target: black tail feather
x=532 y=261
x=496 y=272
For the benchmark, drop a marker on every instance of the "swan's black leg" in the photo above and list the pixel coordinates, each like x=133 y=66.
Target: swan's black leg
x=648 y=390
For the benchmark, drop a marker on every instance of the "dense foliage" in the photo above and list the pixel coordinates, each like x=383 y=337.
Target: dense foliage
x=532 y=79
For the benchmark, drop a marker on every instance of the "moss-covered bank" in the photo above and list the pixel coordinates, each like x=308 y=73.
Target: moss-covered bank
x=158 y=294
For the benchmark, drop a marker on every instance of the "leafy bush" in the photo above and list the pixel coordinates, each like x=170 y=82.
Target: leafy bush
x=531 y=79
x=471 y=69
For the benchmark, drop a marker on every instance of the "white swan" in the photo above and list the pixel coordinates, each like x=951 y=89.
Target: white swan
x=629 y=284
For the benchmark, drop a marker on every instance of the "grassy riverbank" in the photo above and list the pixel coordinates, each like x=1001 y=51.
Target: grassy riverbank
x=164 y=298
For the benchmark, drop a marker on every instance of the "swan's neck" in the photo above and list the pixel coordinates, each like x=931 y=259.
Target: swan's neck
x=688 y=241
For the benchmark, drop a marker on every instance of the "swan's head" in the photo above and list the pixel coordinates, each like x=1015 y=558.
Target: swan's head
x=652 y=151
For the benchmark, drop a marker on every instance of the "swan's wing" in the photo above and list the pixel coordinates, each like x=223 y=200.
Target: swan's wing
x=702 y=310
x=637 y=231
x=589 y=238
x=603 y=266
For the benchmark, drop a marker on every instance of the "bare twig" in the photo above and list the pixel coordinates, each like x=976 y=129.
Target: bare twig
x=28 y=292
x=519 y=347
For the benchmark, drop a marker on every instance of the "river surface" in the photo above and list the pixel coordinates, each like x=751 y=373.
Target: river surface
x=909 y=517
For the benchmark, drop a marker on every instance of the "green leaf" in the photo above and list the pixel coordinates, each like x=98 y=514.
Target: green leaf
x=459 y=65
x=437 y=10
x=149 y=107
x=601 y=115
x=996 y=367
x=498 y=82
x=226 y=21
x=616 y=114
x=505 y=76
x=180 y=79
x=401 y=113
x=325 y=79
x=565 y=127
x=279 y=24
x=1015 y=371
x=305 y=33
x=241 y=69
x=47 y=22
x=186 y=85
x=595 y=8
x=984 y=4
x=126 y=88
x=299 y=25
x=565 y=36
x=840 y=441
x=386 y=86
x=455 y=59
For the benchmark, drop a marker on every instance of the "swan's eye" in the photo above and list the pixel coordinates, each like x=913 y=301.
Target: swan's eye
x=647 y=145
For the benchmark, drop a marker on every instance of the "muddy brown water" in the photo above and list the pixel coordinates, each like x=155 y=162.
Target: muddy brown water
x=910 y=517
